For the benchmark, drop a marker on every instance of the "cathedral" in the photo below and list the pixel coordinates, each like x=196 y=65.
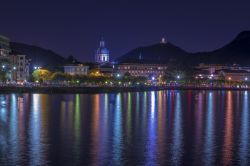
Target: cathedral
x=102 y=53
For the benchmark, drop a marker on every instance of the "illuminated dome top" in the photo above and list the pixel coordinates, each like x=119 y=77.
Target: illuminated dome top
x=102 y=49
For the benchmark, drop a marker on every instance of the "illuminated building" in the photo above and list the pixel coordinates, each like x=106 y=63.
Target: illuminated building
x=76 y=69
x=102 y=53
x=20 y=67
x=15 y=65
x=142 y=69
x=211 y=68
x=217 y=71
x=102 y=60
x=234 y=75
x=4 y=46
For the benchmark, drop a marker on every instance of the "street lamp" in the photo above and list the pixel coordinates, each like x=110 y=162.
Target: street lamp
x=178 y=77
x=37 y=67
x=246 y=78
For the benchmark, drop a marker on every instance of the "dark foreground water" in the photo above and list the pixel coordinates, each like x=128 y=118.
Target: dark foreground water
x=146 y=128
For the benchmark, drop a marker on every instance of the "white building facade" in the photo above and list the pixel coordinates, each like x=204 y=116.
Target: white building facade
x=140 y=69
x=4 y=46
x=78 y=69
x=16 y=66
x=20 y=65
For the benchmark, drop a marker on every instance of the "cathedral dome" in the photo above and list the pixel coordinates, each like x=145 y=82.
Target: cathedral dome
x=102 y=50
x=102 y=53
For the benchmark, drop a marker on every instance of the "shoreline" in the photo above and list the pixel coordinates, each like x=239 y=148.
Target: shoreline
x=87 y=90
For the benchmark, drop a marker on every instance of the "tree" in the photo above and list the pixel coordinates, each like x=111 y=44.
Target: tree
x=95 y=73
x=178 y=69
x=42 y=75
x=59 y=76
x=3 y=77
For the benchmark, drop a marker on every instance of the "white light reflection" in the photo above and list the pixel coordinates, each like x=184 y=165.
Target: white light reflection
x=244 y=132
x=152 y=131
x=177 y=132
x=14 y=143
x=117 y=137
x=209 y=132
x=3 y=109
x=35 y=150
x=152 y=105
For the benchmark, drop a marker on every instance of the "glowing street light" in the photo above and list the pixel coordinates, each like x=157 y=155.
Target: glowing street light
x=178 y=77
x=37 y=67
x=3 y=66
x=153 y=78
x=14 y=68
x=246 y=78
x=118 y=75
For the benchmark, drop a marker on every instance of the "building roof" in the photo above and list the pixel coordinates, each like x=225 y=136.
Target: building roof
x=232 y=71
x=78 y=64
x=139 y=61
x=144 y=63
x=200 y=71
x=4 y=38
x=101 y=50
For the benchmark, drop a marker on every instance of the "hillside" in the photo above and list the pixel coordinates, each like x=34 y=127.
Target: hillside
x=157 y=53
x=38 y=55
x=237 y=51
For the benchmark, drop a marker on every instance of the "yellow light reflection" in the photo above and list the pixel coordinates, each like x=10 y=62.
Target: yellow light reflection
x=95 y=126
x=77 y=116
x=228 y=137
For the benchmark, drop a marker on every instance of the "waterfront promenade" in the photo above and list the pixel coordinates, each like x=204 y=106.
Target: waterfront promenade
x=105 y=89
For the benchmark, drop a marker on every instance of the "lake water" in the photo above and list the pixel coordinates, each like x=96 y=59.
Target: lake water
x=142 y=128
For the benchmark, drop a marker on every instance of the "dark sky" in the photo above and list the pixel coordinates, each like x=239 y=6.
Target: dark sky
x=74 y=27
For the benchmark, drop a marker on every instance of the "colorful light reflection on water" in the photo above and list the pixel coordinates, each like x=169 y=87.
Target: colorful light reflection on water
x=141 y=128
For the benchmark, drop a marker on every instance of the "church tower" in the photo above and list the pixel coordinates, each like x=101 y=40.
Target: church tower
x=102 y=53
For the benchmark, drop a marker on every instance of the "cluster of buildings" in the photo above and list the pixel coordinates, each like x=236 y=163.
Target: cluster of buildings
x=14 y=65
x=220 y=71
x=105 y=66
x=140 y=68
x=17 y=66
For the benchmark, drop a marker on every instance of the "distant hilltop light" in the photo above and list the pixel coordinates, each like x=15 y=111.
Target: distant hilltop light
x=163 y=41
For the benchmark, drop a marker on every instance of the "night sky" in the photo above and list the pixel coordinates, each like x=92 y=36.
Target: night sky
x=75 y=27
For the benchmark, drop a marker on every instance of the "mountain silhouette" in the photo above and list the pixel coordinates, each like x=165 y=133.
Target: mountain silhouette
x=235 y=52
x=157 y=53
